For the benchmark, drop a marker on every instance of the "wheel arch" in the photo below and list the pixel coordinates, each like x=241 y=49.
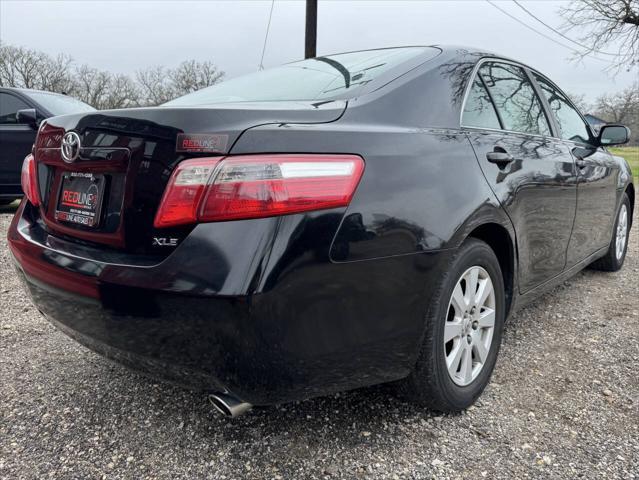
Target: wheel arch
x=500 y=241
x=630 y=191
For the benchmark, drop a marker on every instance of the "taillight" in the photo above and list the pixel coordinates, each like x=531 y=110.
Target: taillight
x=257 y=186
x=49 y=136
x=28 y=179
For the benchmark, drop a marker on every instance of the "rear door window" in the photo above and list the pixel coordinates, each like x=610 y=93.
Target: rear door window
x=479 y=110
x=9 y=106
x=571 y=125
x=519 y=107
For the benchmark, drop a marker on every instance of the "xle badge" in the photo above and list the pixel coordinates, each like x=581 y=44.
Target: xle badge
x=164 y=242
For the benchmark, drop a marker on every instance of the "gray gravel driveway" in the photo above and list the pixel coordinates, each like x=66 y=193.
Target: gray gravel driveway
x=563 y=403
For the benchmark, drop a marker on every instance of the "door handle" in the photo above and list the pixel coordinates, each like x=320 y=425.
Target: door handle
x=499 y=157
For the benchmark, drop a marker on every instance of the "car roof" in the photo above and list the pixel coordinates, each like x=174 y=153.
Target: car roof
x=449 y=50
x=26 y=91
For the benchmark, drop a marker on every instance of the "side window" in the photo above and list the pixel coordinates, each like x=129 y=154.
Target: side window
x=515 y=98
x=571 y=125
x=9 y=106
x=479 y=110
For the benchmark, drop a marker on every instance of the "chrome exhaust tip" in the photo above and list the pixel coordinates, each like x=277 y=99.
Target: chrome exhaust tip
x=228 y=405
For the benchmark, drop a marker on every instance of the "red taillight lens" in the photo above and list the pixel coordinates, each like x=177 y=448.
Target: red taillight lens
x=49 y=136
x=28 y=179
x=242 y=187
x=184 y=192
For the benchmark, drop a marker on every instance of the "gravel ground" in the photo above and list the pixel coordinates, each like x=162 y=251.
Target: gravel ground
x=563 y=403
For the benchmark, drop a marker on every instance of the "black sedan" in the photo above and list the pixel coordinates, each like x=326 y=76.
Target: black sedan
x=337 y=222
x=21 y=111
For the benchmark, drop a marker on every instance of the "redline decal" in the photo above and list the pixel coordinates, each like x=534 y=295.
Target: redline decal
x=201 y=142
x=79 y=199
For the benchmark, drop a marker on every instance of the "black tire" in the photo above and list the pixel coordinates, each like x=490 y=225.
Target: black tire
x=430 y=384
x=611 y=262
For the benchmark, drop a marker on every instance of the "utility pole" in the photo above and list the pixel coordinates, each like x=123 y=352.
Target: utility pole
x=310 y=41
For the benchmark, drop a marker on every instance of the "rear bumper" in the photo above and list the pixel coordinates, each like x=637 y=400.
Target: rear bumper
x=172 y=337
x=275 y=328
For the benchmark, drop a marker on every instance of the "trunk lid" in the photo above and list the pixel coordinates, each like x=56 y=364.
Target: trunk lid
x=131 y=153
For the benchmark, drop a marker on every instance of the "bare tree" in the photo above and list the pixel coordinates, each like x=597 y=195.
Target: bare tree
x=104 y=90
x=579 y=100
x=621 y=107
x=90 y=85
x=154 y=85
x=608 y=24
x=25 y=68
x=159 y=84
x=123 y=92
x=191 y=75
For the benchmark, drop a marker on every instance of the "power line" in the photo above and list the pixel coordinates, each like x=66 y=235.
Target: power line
x=562 y=35
x=268 y=27
x=540 y=33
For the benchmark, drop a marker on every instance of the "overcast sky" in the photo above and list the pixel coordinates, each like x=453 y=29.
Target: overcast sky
x=123 y=36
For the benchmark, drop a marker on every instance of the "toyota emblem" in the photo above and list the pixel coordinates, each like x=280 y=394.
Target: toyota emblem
x=70 y=147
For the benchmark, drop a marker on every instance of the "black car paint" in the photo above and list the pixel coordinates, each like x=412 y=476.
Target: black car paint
x=145 y=154
x=538 y=190
x=291 y=307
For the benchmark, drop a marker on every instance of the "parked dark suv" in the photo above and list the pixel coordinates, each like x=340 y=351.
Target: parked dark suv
x=337 y=222
x=21 y=111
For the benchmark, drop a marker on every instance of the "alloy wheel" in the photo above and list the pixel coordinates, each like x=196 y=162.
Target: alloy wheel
x=470 y=324
x=622 y=231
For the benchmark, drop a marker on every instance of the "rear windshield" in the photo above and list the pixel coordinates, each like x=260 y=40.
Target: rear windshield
x=321 y=78
x=60 y=104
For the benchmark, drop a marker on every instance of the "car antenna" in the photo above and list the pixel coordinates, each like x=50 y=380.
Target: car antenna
x=268 y=27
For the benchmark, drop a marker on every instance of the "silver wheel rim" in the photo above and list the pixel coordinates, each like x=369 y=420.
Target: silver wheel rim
x=469 y=327
x=622 y=231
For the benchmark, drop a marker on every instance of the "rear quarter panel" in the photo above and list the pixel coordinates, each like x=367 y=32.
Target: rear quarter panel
x=344 y=292
x=422 y=189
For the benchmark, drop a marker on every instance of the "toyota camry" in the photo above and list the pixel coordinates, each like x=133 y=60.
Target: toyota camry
x=337 y=222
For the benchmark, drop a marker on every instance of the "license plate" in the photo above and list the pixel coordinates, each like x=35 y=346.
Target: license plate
x=80 y=198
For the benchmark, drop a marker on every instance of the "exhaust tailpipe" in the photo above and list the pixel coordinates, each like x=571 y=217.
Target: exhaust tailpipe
x=228 y=405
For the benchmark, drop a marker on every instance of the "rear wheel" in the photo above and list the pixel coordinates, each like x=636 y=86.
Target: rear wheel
x=464 y=326
x=616 y=254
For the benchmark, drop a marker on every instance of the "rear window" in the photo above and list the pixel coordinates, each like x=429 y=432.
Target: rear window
x=321 y=78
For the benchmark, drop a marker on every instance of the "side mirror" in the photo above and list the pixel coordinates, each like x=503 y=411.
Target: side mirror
x=28 y=116
x=613 y=135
